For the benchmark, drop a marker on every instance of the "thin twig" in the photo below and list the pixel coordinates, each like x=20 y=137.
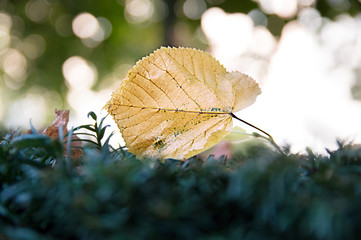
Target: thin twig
x=269 y=137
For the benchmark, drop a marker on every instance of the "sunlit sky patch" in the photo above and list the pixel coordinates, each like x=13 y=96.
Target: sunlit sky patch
x=29 y=104
x=306 y=99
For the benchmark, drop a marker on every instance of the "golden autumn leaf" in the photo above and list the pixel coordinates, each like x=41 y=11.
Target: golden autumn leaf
x=177 y=102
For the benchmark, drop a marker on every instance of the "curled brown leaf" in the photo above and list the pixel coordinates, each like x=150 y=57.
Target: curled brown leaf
x=61 y=120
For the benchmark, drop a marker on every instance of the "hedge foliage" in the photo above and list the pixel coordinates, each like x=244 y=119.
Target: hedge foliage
x=109 y=194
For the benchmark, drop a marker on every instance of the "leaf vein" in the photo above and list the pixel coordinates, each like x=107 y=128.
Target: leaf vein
x=146 y=92
x=217 y=123
x=213 y=91
x=141 y=121
x=180 y=86
x=133 y=95
x=158 y=88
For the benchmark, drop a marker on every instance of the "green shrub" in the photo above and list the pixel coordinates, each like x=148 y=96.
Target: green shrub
x=109 y=194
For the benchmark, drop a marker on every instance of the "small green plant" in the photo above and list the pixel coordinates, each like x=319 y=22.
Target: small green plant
x=97 y=131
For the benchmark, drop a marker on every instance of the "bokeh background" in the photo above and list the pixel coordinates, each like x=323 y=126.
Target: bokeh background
x=306 y=55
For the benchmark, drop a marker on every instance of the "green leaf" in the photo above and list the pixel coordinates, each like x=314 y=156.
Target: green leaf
x=32 y=128
x=32 y=140
x=237 y=134
x=92 y=115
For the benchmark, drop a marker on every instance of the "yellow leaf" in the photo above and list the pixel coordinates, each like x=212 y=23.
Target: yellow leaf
x=176 y=103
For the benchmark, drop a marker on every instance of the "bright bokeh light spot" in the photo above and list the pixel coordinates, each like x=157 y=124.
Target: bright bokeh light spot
x=5 y=21
x=2 y=107
x=237 y=43
x=303 y=82
x=79 y=73
x=36 y=105
x=310 y=18
x=34 y=46
x=138 y=11
x=103 y=32
x=21 y=111
x=341 y=36
x=194 y=9
x=258 y=17
x=263 y=43
x=84 y=101
x=5 y=26
x=305 y=76
x=229 y=34
x=91 y=30
x=283 y=8
x=14 y=65
x=105 y=28
x=37 y=10
x=53 y=98
x=85 y=25
x=306 y=3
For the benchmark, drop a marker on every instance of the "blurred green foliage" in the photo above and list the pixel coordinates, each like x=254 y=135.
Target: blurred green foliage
x=109 y=194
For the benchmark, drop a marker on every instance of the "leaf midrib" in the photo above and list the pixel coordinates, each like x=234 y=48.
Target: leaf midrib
x=175 y=110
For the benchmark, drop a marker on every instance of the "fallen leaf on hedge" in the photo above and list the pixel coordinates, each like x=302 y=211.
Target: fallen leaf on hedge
x=176 y=103
x=62 y=119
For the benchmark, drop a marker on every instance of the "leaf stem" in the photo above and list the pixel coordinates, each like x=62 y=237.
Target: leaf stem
x=269 y=137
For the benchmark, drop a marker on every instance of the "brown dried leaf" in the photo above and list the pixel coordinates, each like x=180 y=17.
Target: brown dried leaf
x=62 y=119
